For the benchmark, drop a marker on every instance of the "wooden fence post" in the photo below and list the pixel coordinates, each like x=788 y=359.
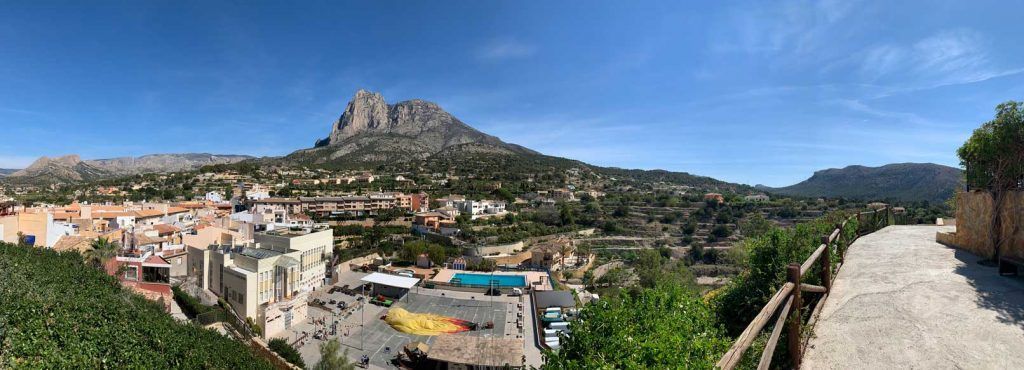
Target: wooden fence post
x=795 y=316
x=826 y=265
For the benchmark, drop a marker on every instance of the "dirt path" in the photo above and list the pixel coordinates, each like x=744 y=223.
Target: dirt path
x=904 y=301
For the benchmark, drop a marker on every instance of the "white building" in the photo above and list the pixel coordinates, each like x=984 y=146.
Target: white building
x=757 y=198
x=214 y=196
x=257 y=192
x=480 y=208
x=268 y=280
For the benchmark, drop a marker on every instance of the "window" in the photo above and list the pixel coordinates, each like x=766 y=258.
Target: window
x=131 y=273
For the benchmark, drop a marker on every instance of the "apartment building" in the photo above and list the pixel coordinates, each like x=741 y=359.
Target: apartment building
x=268 y=280
x=357 y=205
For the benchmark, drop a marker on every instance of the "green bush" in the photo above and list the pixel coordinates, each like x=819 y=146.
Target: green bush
x=59 y=313
x=767 y=257
x=289 y=353
x=667 y=327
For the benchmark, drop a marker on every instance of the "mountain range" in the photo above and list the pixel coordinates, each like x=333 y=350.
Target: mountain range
x=71 y=168
x=898 y=181
x=419 y=136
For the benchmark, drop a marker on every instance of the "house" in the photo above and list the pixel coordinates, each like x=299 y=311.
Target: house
x=459 y=263
x=419 y=202
x=477 y=208
x=144 y=272
x=214 y=196
x=423 y=261
x=257 y=192
x=716 y=197
x=365 y=177
x=434 y=223
x=77 y=243
x=757 y=198
x=549 y=255
x=562 y=194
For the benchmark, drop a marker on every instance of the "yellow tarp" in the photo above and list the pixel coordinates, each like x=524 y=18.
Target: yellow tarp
x=423 y=323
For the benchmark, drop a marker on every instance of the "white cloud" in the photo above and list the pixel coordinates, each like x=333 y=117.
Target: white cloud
x=797 y=26
x=506 y=49
x=950 y=57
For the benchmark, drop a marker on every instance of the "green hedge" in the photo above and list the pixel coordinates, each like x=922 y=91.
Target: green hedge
x=190 y=306
x=56 y=312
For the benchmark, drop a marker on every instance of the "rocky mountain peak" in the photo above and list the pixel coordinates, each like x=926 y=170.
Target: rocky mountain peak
x=372 y=131
x=64 y=160
x=367 y=111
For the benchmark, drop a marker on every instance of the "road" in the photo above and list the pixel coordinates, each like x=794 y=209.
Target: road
x=904 y=301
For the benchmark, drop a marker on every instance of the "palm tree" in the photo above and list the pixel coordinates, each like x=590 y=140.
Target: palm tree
x=102 y=250
x=563 y=248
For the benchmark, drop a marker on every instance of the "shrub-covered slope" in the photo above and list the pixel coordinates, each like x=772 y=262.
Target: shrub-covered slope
x=56 y=312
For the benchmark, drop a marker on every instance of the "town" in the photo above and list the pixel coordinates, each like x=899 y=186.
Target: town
x=801 y=184
x=305 y=256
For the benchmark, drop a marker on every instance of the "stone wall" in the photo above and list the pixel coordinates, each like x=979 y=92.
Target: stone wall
x=488 y=250
x=973 y=216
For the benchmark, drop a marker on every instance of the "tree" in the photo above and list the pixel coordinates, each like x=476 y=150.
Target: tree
x=332 y=358
x=102 y=250
x=993 y=158
x=721 y=231
x=755 y=225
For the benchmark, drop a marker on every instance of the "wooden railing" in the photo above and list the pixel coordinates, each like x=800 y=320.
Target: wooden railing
x=790 y=296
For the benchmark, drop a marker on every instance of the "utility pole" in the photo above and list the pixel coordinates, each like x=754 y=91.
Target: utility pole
x=362 y=310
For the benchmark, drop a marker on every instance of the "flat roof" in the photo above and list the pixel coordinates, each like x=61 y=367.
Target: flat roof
x=479 y=351
x=554 y=298
x=391 y=280
x=259 y=253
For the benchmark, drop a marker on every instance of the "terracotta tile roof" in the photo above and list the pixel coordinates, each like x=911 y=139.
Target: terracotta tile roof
x=164 y=229
x=143 y=239
x=173 y=210
x=147 y=213
x=73 y=243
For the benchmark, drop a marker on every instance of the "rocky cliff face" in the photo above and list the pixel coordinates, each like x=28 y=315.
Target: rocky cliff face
x=372 y=131
x=164 y=162
x=71 y=168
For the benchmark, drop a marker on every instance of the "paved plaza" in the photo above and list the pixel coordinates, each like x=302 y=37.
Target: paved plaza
x=382 y=343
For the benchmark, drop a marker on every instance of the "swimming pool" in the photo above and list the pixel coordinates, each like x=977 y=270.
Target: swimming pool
x=504 y=281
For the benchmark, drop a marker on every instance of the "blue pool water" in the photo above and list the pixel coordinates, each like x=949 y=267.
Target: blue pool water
x=504 y=281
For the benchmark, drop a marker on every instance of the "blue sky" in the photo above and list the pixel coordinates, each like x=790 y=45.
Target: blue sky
x=753 y=92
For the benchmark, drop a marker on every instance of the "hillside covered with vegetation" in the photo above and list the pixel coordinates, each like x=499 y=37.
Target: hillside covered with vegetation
x=892 y=182
x=666 y=323
x=58 y=312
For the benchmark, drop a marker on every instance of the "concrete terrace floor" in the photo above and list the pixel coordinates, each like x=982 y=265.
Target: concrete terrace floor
x=904 y=301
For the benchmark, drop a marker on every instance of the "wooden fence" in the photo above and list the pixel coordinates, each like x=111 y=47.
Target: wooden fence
x=790 y=296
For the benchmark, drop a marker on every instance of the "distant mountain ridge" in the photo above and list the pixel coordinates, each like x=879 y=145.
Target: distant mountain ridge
x=898 y=181
x=7 y=171
x=71 y=168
